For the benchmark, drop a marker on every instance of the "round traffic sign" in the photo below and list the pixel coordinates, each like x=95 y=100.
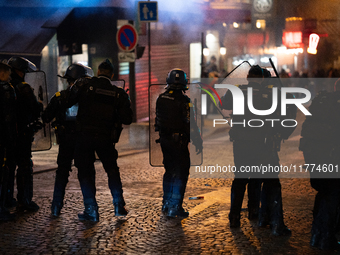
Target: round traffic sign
x=127 y=37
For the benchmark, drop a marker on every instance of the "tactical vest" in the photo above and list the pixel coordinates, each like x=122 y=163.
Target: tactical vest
x=241 y=130
x=8 y=128
x=173 y=112
x=28 y=108
x=324 y=123
x=97 y=106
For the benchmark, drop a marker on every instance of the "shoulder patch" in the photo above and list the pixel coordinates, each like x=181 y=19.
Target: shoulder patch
x=58 y=94
x=270 y=86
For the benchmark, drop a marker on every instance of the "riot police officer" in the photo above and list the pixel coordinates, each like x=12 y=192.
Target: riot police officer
x=248 y=148
x=28 y=113
x=251 y=148
x=320 y=145
x=65 y=130
x=271 y=211
x=8 y=134
x=103 y=108
x=173 y=111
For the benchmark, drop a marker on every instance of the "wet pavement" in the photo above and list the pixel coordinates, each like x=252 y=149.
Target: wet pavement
x=145 y=229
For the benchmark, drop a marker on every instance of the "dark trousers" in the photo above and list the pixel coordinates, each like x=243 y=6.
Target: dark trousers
x=176 y=160
x=4 y=176
x=246 y=154
x=87 y=144
x=25 y=168
x=327 y=184
x=271 y=201
x=326 y=206
x=67 y=145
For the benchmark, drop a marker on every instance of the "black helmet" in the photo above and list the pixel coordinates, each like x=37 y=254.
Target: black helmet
x=177 y=79
x=22 y=64
x=255 y=72
x=76 y=71
x=266 y=73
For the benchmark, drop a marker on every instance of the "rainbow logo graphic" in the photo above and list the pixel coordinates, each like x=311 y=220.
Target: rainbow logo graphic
x=206 y=89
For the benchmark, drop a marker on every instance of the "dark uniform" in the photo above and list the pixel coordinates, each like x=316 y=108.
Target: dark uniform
x=8 y=136
x=173 y=110
x=253 y=146
x=28 y=113
x=271 y=211
x=102 y=109
x=65 y=130
x=320 y=145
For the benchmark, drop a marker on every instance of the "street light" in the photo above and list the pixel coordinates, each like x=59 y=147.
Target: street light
x=223 y=50
x=206 y=51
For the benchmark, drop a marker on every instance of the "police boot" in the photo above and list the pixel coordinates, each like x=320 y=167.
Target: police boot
x=328 y=241
x=263 y=220
x=253 y=213
x=177 y=211
x=25 y=190
x=120 y=209
x=236 y=199
x=28 y=206
x=167 y=191
x=165 y=207
x=5 y=215
x=254 y=196
x=60 y=183
x=280 y=230
x=315 y=238
x=56 y=208
x=10 y=200
x=234 y=221
x=90 y=213
x=277 y=225
x=178 y=186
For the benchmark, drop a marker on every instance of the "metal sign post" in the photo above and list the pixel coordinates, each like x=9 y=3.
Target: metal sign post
x=148 y=12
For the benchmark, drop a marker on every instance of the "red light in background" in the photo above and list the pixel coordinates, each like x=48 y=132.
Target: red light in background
x=313 y=43
x=292 y=39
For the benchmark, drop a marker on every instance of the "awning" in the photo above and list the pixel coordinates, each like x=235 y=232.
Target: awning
x=21 y=28
x=55 y=20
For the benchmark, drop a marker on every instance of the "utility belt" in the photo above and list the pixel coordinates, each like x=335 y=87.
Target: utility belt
x=113 y=134
x=177 y=137
x=63 y=129
x=243 y=135
x=273 y=142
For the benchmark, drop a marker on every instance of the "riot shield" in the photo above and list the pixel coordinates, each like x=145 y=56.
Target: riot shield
x=211 y=96
x=119 y=83
x=37 y=80
x=155 y=152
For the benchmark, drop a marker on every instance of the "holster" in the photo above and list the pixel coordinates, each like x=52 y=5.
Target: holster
x=274 y=143
x=302 y=144
x=180 y=138
x=116 y=131
x=59 y=132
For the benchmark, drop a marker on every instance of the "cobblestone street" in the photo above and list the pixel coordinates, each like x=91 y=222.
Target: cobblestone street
x=145 y=229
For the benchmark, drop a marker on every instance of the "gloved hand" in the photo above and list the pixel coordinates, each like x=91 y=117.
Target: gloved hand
x=199 y=148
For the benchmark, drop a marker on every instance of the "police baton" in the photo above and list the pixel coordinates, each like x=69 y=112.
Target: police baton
x=275 y=71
